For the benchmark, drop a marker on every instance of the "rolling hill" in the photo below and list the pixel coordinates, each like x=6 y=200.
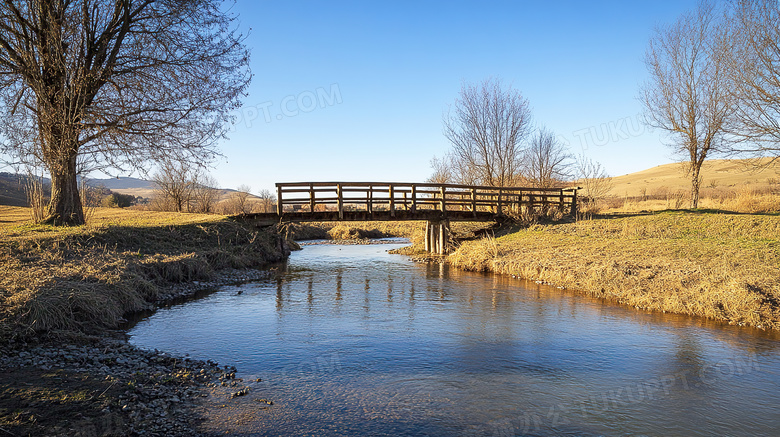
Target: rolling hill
x=133 y=186
x=11 y=191
x=728 y=174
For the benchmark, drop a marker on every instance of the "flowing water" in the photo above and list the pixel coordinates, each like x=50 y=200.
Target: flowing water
x=351 y=340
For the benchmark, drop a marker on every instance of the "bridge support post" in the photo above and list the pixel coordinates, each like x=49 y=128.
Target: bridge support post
x=437 y=236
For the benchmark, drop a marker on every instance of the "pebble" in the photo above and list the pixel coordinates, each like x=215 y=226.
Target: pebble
x=223 y=277
x=157 y=401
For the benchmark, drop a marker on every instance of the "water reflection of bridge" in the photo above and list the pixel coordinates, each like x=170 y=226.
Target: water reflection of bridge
x=437 y=204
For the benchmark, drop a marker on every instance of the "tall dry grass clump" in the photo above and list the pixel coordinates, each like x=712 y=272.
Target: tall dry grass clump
x=36 y=197
x=748 y=200
x=719 y=266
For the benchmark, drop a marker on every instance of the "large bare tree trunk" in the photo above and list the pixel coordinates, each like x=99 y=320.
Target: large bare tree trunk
x=695 y=186
x=65 y=207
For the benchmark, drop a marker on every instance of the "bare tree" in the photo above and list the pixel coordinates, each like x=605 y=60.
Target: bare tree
x=547 y=162
x=595 y=182
x=486 y=127
x=174 y=186
x=688 y=93
x=442 y=170
x=115 y=84
x=204 y=192
x=239 y=200
x=754 y=61
x=267 y=201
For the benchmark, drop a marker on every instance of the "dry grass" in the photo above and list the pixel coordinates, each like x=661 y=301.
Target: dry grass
x=87 y=278
x=719 y=266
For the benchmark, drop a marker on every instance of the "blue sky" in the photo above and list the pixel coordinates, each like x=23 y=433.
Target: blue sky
x=356 y=91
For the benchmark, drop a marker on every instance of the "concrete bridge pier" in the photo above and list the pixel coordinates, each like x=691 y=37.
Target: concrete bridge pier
x=437 y=236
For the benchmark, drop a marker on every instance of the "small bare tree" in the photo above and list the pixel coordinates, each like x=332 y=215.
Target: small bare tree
x=486 y=128
x=239 y=200
x=547 y=162
x=595 y=183
x=204 y=192
x=591 y=175
x=442 y=170
x=688 y=94
x=267 y=201
x=174 y=185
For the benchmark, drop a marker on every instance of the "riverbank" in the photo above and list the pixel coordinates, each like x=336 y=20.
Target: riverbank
x=64 y=292
x=86 y=279
x=721 y=266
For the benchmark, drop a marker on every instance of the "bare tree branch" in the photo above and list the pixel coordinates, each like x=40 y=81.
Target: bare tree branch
x=486 y=127
x=755 y=65
x=547 y=162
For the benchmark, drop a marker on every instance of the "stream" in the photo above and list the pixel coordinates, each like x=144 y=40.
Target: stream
x=351 y=340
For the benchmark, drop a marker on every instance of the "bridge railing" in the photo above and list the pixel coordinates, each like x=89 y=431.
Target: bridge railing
x=390 y=198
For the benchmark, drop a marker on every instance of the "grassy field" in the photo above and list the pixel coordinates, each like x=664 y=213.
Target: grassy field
x=87 y=278
x=714 y=265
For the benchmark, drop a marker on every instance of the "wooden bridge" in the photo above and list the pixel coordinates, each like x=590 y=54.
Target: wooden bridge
x=437 y=204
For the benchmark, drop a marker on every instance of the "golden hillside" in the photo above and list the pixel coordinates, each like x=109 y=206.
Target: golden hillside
x=718 y=173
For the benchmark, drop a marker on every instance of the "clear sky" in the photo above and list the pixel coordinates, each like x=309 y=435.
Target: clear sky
x=356 y=90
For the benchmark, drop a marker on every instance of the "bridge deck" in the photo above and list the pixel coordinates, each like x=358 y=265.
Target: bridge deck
x=387 y=201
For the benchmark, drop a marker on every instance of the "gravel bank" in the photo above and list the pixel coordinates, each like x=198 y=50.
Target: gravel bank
x=107 y=387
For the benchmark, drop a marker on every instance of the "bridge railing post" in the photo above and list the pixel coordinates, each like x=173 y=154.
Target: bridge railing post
x=279 y=201
x=574 y=204
x=340 y=201
x=414 y=198
x=370 y=199
x=392 y=200
x=443 y=202
x=499 y=206
x=560 y=204
x=311 y=198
